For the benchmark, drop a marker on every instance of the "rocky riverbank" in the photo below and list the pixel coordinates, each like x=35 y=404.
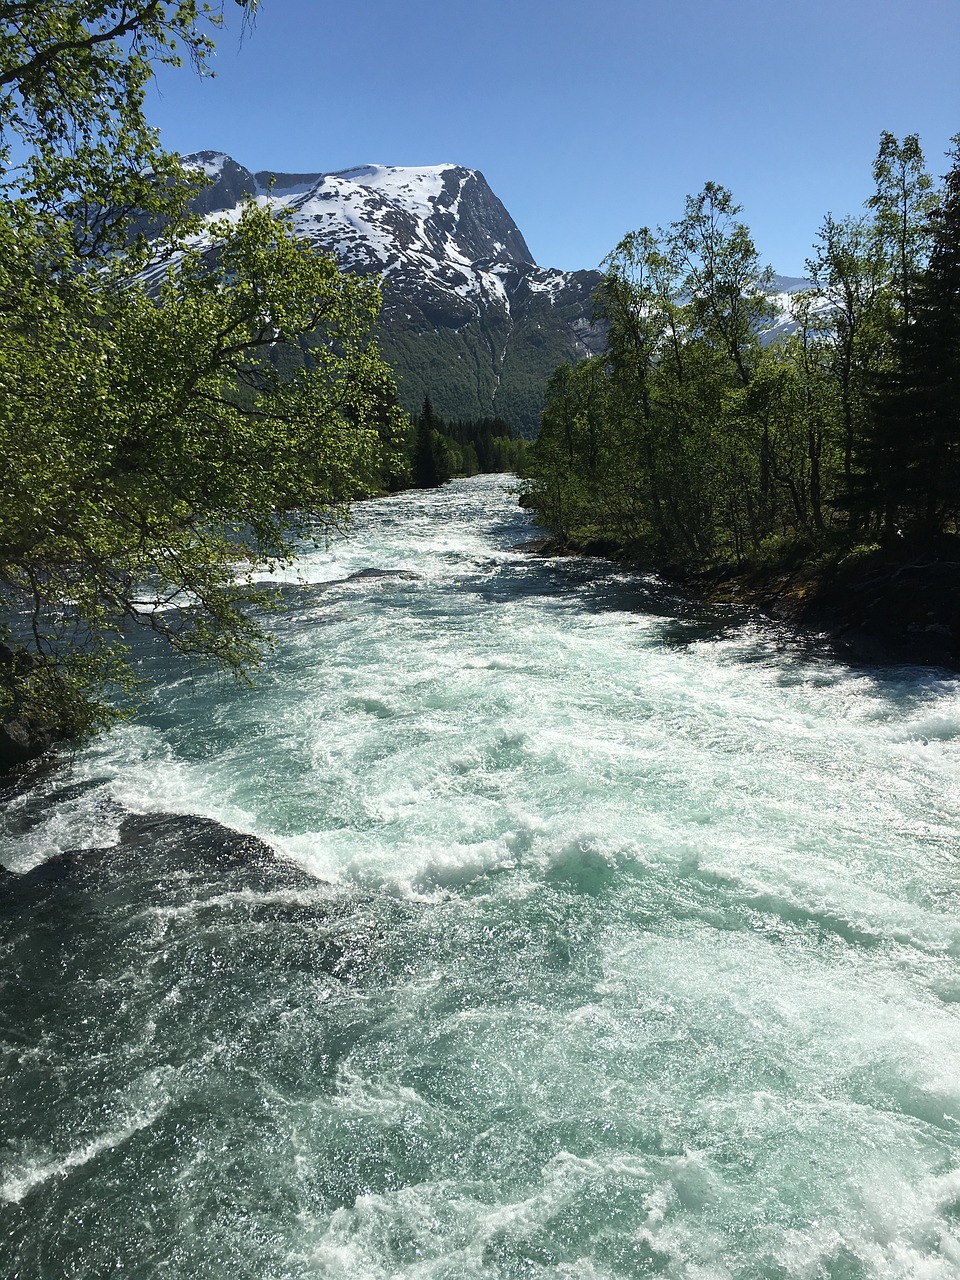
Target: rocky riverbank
x=893 y=604
x=25 y=733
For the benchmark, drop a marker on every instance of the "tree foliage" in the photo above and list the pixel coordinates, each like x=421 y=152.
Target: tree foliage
x=174 y=403
x=440 y=450
x=698 y=440
x=910 y=454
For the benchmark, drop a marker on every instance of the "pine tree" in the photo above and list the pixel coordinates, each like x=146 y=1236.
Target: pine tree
x=426 y=471
x=911 y=459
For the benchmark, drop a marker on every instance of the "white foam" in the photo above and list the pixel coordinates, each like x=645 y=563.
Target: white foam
x=20 y=1182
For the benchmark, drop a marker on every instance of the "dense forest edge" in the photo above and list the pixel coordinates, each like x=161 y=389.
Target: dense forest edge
x=816 y=476
x=436 y=450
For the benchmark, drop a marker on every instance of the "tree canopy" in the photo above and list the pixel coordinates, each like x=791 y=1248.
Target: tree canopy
x=702 y=437
x=177 y=395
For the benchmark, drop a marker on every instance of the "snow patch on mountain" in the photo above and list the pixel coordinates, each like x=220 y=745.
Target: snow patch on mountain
x=432 y=228
x=210 y=163
x=416 y=190
x=784 y=302
x=438 y=227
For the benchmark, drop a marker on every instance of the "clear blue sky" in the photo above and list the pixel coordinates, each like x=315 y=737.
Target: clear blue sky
x=588 y=117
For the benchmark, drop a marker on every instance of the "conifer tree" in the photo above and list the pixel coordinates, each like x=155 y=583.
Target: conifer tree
x=911 y=458
x=426 y=471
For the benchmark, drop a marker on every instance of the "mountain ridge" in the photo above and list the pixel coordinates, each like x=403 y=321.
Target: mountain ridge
x=468 y=316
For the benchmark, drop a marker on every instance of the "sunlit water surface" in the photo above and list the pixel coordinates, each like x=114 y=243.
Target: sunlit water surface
x=603 y=939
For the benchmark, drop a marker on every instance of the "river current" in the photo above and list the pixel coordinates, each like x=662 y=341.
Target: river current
x=599 y=936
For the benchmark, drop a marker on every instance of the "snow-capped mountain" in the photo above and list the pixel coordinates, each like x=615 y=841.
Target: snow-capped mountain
x=468 y=315
x=784 y=287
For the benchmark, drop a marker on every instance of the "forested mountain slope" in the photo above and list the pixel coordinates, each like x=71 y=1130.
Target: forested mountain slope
x=469 y=318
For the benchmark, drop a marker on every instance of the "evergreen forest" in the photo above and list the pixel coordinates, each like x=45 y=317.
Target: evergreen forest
x=438 y=451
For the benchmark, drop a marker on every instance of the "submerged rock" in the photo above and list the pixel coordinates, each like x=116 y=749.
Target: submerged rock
x=405 y=574
x=173 y=852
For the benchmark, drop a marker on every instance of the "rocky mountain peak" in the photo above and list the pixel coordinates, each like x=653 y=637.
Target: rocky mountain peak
x=229 y=182
x=449 y=208
x=468 y=316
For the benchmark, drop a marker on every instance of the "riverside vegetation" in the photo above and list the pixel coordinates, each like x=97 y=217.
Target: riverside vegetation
x=151 y=438
x=799 y=469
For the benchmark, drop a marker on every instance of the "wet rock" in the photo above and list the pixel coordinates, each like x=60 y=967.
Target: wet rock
x=21 y=740
x=24 y=733
x=170 y=861
x=406 y=575
x=34 y=715
x=190 y=842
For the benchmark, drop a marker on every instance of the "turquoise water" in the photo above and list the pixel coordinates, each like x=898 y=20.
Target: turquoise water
x=602 y=938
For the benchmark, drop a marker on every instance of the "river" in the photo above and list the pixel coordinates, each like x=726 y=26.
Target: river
x=600 y=936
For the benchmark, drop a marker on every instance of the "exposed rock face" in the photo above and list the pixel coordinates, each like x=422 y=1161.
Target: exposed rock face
x=468 y=315
x=231 y=182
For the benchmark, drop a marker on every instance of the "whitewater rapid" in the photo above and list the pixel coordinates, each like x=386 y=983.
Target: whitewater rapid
x=604 y=936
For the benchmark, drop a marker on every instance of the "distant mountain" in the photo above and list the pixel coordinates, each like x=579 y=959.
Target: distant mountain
x=468 y=316
x=784 y=324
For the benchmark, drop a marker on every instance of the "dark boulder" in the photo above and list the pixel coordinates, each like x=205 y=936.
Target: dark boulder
x=25 y=731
